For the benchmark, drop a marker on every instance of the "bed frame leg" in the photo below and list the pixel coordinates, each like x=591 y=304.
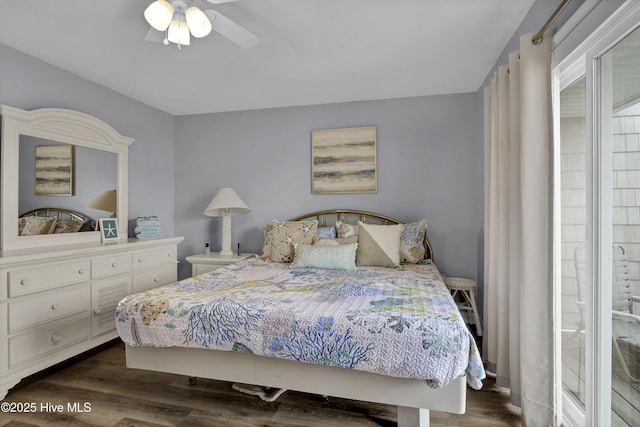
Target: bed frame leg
x=413 y=417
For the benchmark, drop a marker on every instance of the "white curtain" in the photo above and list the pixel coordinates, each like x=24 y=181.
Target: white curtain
x=518 y=295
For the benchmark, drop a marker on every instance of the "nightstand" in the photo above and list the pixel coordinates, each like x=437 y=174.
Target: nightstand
x=202 y=263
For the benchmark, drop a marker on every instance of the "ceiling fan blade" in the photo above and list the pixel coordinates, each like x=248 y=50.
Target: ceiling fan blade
x=154 y=36
x=220 y=1
x=231 y=30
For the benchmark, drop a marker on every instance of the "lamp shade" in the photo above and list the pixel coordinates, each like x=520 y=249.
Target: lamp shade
x=107 y=201
x=159 y=14
x=226 y=203
x=198 y=22
x=179 y=31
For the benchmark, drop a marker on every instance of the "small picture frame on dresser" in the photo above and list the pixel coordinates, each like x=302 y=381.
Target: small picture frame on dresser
x=108 y=229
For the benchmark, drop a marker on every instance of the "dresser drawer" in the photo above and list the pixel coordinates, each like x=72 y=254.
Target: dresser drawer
x=151 y=257
x=155 y=277
x=105 y=295
x=37 y=343
x=110 y=265
x=25 y=281
x=47 y=306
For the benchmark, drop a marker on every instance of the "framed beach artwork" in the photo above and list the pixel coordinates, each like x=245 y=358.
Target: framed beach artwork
x=54 y=170
x=344 y=160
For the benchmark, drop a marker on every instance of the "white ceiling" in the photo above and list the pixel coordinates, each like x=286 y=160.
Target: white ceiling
x=312 y=51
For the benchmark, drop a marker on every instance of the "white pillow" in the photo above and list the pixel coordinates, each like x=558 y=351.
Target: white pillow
x=317 y=240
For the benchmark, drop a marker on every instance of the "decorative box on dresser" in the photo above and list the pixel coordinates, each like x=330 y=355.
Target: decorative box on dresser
x=57 y=302
x=204 y=263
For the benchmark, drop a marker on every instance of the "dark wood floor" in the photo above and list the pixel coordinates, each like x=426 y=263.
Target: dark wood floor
x=118 y=396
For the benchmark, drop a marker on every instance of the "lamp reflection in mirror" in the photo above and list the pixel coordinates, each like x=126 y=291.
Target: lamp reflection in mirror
x=226 y=203
x=106 y=201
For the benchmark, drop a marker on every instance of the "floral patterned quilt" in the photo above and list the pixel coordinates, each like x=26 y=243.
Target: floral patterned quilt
x=400 y=322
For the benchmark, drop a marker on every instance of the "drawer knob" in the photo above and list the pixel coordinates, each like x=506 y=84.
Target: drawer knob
x=97 y=310
x=55 y=306
x=81 y=271
x=114 y=264
x=139 y=260
x=156 y=279
x=24 y=282
x=55 y=338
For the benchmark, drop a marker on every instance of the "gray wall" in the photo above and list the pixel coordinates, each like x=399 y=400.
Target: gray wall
x=28 y=83
x=430 y=157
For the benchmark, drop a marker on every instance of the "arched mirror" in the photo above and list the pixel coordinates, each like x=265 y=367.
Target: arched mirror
x=61 y=159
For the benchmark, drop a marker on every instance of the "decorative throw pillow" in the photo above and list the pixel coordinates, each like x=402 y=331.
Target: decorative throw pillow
x=412 y=249
x=268 y=237
x=70 y=226
x=338 y=257
x=378 y=245
x=328 y=232
x=346 y=230
x=88 y=225
x=37 y=225
x=285 y=234
x=21 y=223
x=323 y=241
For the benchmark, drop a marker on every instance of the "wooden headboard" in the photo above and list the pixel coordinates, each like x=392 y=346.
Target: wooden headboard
x=61 y=215
x=352 y=216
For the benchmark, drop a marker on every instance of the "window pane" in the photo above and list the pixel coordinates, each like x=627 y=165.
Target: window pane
x=573 y=238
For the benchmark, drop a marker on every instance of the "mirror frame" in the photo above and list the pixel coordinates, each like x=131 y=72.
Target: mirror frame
x=60 y=125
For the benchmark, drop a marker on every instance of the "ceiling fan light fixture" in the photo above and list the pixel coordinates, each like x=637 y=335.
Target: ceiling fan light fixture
x=179 y=32
x=198 y=22
x=158 y=14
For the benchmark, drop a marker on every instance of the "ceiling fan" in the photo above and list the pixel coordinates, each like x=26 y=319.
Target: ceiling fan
x=175 y=21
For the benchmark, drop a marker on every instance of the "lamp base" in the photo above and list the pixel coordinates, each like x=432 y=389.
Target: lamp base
x=226 y=236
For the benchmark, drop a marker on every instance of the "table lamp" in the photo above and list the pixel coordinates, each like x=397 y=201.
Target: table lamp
x=226 y=203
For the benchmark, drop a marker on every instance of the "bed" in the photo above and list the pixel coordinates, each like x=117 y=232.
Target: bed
x=53 y=221
x=318 y=314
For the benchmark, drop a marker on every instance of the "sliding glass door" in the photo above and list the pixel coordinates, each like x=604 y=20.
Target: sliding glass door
x=619 y=104
x=597 y=211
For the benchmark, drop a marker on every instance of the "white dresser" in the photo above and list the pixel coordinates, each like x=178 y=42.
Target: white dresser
x=57 y=302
